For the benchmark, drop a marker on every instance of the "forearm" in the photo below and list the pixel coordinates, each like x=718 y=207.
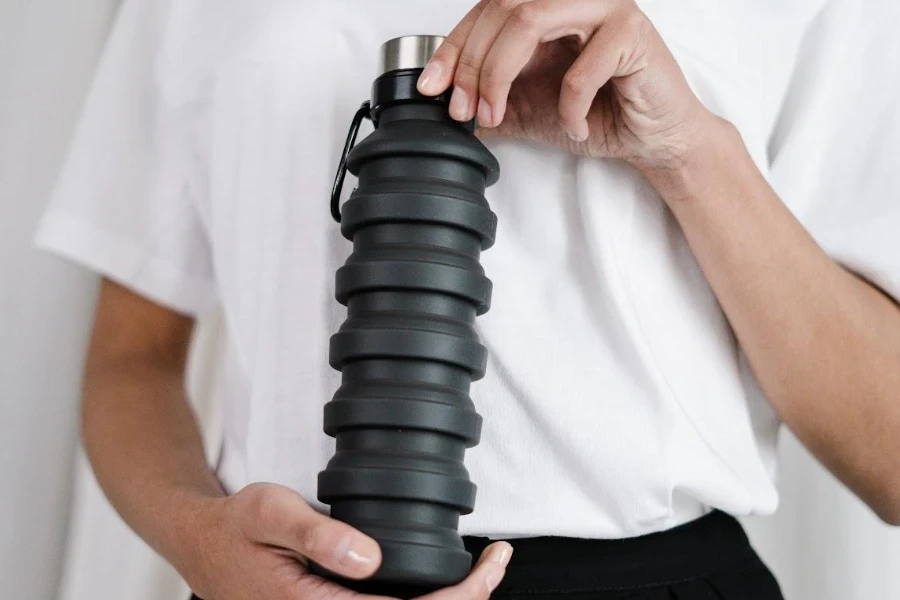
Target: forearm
x=824 y=345
x=145 y=448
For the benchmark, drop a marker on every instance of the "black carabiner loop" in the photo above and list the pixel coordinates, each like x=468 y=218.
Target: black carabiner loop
x=364 y=112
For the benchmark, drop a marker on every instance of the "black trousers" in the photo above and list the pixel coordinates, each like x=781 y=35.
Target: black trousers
x=708 y=559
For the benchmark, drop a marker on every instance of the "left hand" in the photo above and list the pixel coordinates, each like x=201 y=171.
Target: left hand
x=592 y=77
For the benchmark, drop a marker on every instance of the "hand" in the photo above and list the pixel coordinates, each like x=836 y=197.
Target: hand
x=256 y=544
x=593 y=77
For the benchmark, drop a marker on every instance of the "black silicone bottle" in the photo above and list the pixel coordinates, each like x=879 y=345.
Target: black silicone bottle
x=408 y=351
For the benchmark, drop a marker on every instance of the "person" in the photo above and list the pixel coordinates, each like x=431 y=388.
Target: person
x=698 y=215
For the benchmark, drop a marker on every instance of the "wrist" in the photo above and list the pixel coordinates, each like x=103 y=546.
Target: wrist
x=713 y=150
x=192 y=525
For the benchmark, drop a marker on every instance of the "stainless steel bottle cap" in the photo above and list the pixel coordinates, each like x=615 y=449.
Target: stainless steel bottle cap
x=408 y=52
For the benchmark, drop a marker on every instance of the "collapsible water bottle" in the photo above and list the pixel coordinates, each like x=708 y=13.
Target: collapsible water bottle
x=408 y=351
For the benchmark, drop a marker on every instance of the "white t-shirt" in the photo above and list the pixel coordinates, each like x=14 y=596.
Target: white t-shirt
x=616 y=402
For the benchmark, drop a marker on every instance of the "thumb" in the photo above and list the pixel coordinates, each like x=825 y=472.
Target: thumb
x=279 y=516
x=484 y=578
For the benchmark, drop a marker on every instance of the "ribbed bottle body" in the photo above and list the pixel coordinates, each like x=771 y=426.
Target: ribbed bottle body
x=408 y=350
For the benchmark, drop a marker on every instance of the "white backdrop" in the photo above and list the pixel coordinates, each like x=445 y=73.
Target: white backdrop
x=59 y=540
x=47 y=53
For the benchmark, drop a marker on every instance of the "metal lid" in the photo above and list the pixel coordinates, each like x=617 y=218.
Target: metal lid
x=408 y=52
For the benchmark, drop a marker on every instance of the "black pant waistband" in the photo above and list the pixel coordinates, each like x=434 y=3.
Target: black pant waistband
x=553 y=567
x=700 y=548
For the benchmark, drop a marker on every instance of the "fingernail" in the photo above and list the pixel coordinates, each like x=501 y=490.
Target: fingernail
x=359 y=558
x=357 y=553
x=499 y=114
x=501 y=555
x=493 y=578
x=485 y=113
x=577 y=136
x=428 y=80
x=459 y=105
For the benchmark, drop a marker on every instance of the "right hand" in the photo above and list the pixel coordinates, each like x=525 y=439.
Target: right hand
x=256 y=545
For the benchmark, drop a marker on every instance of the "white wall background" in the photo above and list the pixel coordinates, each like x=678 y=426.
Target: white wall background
x=59 y=540
x=47 y=53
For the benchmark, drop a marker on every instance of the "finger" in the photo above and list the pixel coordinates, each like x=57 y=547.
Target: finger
x=498 y=553
x=483 y=579
x=279 y=516
x=598 y=63
x=464 y=103
x=488 y=133
x=528 y=26
x=438 y=73
x=311 y=586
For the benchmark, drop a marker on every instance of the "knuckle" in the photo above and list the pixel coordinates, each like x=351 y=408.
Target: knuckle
x=574 y=82
x=263 y=504
x=450 y=48
x=469 y=60
x=527 y=17
x=467 y=73
x=507 y=5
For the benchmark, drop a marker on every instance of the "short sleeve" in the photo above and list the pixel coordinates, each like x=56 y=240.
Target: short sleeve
x=836 y=149
x=123 y=204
